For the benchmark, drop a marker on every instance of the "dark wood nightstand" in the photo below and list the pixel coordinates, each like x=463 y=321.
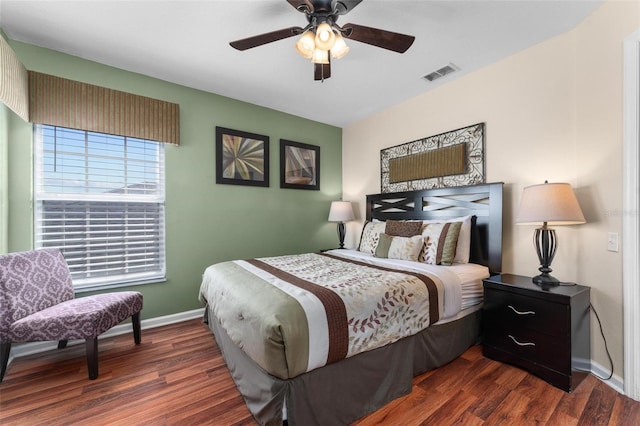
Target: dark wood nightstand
x=546 y=332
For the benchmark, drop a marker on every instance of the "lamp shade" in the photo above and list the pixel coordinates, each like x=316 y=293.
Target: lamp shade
x=553 y=203
x=320 y=56
x=339 y=48
x=306 y=44
x=341 y=211
x=324 y=36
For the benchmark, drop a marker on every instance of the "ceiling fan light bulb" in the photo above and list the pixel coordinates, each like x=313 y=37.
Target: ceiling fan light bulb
x=340 y=48
x=325 y=36
x=306 y=45
x=320 y=56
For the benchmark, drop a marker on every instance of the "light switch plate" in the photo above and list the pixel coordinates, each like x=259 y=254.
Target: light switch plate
x=612 y=241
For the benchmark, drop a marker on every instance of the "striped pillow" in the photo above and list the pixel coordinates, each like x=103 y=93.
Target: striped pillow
x=463 y=248
x=440 y=241
x=404 y=248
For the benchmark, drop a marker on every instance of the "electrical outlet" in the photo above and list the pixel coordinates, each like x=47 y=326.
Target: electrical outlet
x=612 y=241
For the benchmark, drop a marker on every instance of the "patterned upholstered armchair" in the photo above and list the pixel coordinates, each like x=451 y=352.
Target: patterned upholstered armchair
x=37 y=304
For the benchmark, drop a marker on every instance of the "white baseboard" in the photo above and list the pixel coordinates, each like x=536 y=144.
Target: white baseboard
x=616 y=382
x=24 y=349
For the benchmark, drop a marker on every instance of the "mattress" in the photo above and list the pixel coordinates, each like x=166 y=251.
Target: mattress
x=277 y=310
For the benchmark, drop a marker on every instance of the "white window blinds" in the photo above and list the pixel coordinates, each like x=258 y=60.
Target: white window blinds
x=100 y=198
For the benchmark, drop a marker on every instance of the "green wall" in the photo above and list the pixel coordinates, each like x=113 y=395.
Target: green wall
x=206 y=223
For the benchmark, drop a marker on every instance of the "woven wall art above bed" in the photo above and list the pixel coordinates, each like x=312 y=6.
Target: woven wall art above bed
x=454 y=158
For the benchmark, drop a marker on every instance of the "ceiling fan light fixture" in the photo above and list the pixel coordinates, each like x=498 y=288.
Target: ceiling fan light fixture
x=325 y=37
x=322 y=39
x=306 y=45
x=339 y=48
x=320 y=56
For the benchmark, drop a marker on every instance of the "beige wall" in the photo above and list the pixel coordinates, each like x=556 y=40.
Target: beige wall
x=553 y=111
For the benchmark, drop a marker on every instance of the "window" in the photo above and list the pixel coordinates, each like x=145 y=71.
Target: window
x=100 y=199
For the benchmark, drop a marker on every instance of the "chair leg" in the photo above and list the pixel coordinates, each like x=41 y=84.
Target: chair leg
x=62 y=344
x=5 y=350
x=135 y=320
x=91 y=346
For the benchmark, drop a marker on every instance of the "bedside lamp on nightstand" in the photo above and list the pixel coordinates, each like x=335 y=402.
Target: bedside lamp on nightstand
x=341 y=212
x=551 y=204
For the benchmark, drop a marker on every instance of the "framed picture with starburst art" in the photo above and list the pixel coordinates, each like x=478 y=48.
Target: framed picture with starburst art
x=242 y=158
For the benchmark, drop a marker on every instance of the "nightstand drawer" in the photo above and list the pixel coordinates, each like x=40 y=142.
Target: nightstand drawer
x=503 y=308
x=550 y=351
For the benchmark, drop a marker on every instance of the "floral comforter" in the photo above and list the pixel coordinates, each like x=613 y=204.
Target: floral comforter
x=292 y=314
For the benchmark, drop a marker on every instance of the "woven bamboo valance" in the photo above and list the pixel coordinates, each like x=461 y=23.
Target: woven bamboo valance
x=60 y=102
x=14 y=88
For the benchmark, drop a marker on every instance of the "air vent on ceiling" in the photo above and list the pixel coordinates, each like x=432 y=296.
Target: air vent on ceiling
x=447 y=69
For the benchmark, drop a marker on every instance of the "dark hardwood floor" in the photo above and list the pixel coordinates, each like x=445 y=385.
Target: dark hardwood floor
x=177 y=377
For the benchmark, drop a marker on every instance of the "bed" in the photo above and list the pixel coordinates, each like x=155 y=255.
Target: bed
x=333 y=369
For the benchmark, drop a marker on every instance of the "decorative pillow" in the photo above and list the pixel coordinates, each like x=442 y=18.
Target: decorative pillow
x=370 y=236
x=450 y=243
x=384 y=243
x=431 y=235
x=403 y=228
x=404 y=248
x=463 y=248
x=440 y=242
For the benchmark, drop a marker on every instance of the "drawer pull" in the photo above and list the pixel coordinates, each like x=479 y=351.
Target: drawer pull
x=521 y=344
x=521 y=313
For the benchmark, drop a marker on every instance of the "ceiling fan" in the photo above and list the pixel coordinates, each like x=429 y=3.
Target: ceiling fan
x=323 y=39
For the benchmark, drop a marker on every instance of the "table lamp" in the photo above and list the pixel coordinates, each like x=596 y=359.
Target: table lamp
x=341 y=212
x=551 y=204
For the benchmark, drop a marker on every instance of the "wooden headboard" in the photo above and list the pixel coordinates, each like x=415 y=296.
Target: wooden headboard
x=483 y=201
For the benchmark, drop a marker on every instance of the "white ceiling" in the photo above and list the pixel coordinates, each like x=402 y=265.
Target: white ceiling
x=187 y=42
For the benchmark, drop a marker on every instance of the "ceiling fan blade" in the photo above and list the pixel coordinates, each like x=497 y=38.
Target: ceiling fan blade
x=259 y=40
x=321 y=71
x=344 y=6
x=377 y=37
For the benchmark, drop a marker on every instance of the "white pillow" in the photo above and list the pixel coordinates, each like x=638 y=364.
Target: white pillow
x=463 y=248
